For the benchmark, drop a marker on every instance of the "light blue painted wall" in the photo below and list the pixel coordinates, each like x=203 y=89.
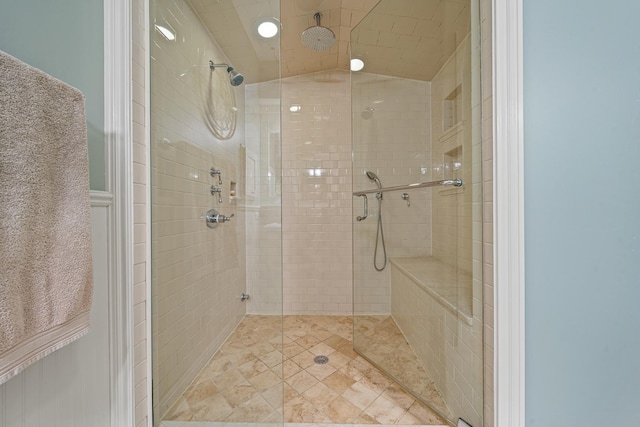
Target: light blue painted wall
x=64 y=38
x=582 y=212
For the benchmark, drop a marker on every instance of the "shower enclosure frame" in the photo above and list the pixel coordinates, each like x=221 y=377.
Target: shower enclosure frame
x=507 y=44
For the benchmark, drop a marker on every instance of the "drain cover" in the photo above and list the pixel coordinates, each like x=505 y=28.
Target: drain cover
x=321 y=360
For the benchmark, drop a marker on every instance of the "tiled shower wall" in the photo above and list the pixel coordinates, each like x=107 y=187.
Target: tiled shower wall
x=263 y=198
x=316 y=194
x=392 y=139
x=198 y=273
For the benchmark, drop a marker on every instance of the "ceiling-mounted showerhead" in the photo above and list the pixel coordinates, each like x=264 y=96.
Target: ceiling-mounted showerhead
x=373 y=177
x=318 y=37
x=235 y=77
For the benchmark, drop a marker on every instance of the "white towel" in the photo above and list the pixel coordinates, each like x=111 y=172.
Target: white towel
x=46 y=277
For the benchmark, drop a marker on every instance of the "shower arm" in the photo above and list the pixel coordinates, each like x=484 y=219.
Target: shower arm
x=454 y=182
x=213 y=66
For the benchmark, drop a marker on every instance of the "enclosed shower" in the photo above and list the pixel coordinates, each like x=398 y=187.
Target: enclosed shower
x=316 y=235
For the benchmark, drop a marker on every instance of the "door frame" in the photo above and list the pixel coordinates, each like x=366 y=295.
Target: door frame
x=508 y=214
x=119 y=179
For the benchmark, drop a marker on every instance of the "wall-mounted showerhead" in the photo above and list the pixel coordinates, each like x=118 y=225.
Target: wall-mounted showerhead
x=373 y=177
x=235 y=77
x=318 y=37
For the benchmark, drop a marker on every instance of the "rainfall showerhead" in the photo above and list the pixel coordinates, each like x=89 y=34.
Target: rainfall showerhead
x=318 y=37
x=235 y=77
x=373 y=177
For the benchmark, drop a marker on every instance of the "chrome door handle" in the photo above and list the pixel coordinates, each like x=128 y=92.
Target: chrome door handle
x=366 y=208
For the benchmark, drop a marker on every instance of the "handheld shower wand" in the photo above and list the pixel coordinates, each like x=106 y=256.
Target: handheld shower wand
x=379 y=232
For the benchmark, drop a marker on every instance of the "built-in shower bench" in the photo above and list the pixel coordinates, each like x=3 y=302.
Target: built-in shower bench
x=449 y=286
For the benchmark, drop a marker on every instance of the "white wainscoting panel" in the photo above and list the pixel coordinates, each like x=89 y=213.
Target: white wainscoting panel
x=70 y=387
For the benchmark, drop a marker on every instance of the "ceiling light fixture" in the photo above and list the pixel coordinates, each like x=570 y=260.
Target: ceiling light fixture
x=268 y=28
x=357 y=64
x=167 y=33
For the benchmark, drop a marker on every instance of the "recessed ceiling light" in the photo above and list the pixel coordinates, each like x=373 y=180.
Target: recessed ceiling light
x=268 y=28
x=167 y=33
x=357 y=64
x=295 y=108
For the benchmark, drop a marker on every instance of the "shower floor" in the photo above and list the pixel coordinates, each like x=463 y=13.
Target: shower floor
x=243 y=380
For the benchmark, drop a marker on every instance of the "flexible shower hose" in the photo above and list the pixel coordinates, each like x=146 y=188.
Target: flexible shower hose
x=379 y=234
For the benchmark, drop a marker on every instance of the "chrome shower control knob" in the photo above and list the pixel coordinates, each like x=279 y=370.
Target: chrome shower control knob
x=213 y=218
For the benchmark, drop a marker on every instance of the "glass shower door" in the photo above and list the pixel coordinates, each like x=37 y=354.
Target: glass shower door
x=417 y=249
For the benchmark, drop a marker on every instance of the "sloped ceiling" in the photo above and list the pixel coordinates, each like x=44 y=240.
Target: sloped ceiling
x=401 y=38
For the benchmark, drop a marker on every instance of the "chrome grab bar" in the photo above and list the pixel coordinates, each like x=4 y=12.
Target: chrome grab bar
x=366 y=208
x=455 y=182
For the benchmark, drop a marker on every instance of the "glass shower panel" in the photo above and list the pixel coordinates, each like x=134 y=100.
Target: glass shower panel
x=216 y=211
x=416 y=119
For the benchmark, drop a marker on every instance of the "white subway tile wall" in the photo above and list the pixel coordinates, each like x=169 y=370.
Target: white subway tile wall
x=198 y=273
x=392 y=138
x=263 y=199
x=316 y=194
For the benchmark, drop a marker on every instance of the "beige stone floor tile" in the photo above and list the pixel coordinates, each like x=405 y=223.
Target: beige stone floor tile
x=409 y=419
x=218 y=367
x=292 y=349
x=336 y=341
x=237 y=394
x=214 y=407
x=321 y=349
x=321 y=335
x=364 y=419
x=254 y=410
x=360 y=395
x=299 y=410
x=376 y=381
x=320 y=395
x=321 y=371
x=396 y=394
x=252 y=368
x=200 y=391
x=304 y=359
x=290 y=368
x=272 y=359
x=229 y=379
x=240 y=357
x=302 y=381
x=426 y=415
x=180 y=410
x=274 y=396
x=307 y=341
x=338 y=360
x=338 y=382
x=265 y=381
x=384 y=411
x=243 y=381
x=341 y=411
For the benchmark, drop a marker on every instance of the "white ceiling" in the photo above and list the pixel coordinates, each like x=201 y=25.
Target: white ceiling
x=402 y=38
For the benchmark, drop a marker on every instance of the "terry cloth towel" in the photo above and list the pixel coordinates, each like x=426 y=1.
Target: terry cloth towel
x=46 y=277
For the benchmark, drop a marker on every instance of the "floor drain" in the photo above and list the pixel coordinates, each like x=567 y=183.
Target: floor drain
x=321 y=360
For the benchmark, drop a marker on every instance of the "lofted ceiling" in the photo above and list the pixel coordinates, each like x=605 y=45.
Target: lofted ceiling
x=401 y=38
